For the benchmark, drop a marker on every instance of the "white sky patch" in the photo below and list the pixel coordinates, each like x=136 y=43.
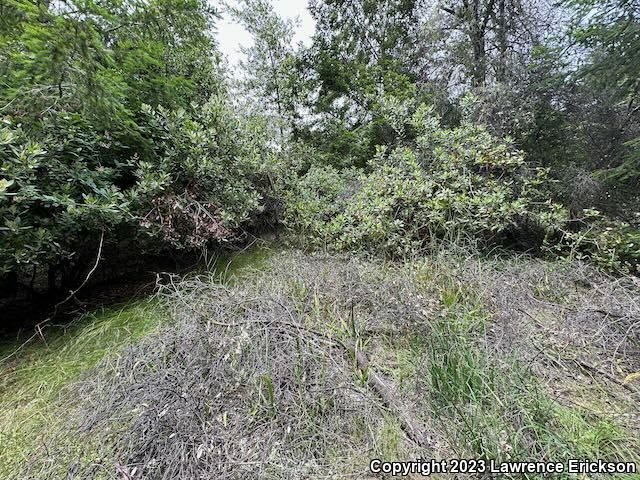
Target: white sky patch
x=231 y=36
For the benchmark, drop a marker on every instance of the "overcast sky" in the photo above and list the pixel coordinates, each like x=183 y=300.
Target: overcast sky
x=231 y=35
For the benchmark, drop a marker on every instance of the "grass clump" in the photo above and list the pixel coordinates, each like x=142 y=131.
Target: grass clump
x=490 y=405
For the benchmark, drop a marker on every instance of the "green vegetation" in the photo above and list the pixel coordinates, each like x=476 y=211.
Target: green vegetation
x=495 y=408
x=281 y=382
x=116 y=125
x=34 y=377
x=463 y=176
x=449 y=184
x=120 y=122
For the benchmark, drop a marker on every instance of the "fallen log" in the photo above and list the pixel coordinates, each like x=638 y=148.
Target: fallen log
x=408 y=420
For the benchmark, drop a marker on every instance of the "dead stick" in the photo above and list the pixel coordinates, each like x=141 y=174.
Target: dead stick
x=377 y=383
x=72 y=293
x=586 y=365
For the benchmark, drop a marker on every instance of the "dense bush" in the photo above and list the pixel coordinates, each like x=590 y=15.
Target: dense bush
x=315 y=200
x=612 y=244
x=196 y=188
x=186 y=183
x=447 y=184
x=57 y=189
x=116 y=126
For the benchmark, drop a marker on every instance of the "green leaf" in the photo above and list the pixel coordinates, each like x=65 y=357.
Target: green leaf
x=5 y=184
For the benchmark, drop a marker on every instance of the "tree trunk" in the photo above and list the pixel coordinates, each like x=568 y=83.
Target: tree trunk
x=477 y=36
x=479 y=67
x=52 y=274
x=501 y=68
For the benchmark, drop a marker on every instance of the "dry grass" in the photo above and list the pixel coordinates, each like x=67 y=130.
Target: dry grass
x=251 y=381
x=577 y=328
x=252 y=378
x=31 y=379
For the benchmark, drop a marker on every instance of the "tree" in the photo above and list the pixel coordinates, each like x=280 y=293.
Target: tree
x=270 y=68
x=610 y=31
x=361 y=53
x=495 y=38
x=104 y=60
x=77 y=80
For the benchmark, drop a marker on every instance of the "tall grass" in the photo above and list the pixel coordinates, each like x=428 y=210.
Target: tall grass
x=492 y=407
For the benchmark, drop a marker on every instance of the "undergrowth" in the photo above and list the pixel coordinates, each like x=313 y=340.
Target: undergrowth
x=250 y=378
x=491 y=406
x=32 y=378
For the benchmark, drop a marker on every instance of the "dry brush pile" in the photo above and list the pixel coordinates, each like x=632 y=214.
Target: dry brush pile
x=316 y=364
x=261 y=379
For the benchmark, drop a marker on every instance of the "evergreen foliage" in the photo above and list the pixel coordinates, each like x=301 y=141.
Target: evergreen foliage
x=448 y=184
x=119 y=122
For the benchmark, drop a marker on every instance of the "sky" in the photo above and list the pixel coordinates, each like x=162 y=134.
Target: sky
x=231 y=36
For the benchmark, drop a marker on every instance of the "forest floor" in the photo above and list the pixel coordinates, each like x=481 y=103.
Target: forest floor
x=295 y=365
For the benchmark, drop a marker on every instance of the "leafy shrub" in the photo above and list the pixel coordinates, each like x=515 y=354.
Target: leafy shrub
x=81 y=156
x=196 y=188
x=57 y=190
x=312 y=202
x=184 y=182
x=612 y=244
x=449 y=182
